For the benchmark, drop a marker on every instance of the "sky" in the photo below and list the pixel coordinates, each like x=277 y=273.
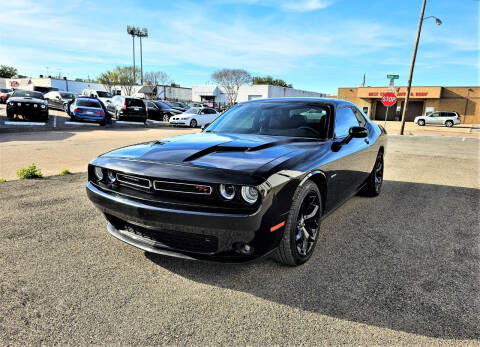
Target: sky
x=316 y=45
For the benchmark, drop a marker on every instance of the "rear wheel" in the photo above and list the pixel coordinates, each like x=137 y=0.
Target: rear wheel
x=421 y=122
x=193 y=123
x=449 y=123
x=375 y=180
x=302 y=227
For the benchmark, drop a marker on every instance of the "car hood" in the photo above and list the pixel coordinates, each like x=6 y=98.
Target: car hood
x=27 y=100
x=223 y=151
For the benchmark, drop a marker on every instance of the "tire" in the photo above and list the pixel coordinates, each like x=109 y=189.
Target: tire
x=102 y=123
x=307 y=202
x=166 y=117
x=421 y=122
x=375 y=180
x=10 y=115
x=449 y=124
x=193 y=123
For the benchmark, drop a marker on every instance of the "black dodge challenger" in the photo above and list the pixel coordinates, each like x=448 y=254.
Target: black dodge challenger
x=30 y=105
x=255 y=182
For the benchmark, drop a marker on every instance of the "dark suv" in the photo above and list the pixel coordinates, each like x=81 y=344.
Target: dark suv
x=160 y=110
x=127 y=108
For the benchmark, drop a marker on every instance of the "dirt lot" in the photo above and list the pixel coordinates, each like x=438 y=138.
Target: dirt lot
x=403 y=268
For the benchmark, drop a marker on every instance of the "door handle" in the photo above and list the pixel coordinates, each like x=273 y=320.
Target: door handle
x=366 y=141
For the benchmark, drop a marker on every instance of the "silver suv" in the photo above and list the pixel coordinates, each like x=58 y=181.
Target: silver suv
x=447 y=118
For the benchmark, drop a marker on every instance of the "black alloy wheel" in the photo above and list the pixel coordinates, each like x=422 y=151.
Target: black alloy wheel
x=193 y=123
x=375 y=180
x=302 y=227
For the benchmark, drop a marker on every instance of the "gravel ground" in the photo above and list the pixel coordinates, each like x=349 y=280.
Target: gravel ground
x=399 y=269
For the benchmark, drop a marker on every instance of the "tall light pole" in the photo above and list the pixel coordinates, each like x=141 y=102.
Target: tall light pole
x=141 y=33
x=132 y=31
x=409 y=86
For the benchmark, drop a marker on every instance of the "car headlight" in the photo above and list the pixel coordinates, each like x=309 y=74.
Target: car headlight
x=227 y=191
x=111 y=176
x=35 y=105
x=10 y=103
x=249 y=194
x=43 y=106
x=99 y=173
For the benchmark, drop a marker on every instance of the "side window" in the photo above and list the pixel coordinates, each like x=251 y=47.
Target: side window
x=211 y=111
x=344 y=120
x=360 y=117
x=435 y=114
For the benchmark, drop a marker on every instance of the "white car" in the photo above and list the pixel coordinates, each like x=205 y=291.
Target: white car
x=195 y=116
x=447 y=118
x=104 y=97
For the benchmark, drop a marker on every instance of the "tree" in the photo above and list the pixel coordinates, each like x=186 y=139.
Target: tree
x=108 y=80
x=156 y=79
x=121 y=76
x=269 y=80
x=231 y=80
x=7 y=71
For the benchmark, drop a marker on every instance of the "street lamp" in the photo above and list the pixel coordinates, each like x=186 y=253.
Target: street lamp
x=409 y=86
x=141 y=33
x=132 y=31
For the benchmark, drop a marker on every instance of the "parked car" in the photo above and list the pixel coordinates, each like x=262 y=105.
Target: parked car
x=195 y=116
x=178 y=105
x=447 y=118
x=127 y=108
x=88 y=109
x=29 y=104
x=257 y=181
x=59 y=100
x=160 y=111
x=4 y=95
x=104 y=96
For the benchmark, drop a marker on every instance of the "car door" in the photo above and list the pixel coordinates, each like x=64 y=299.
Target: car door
x=153 y=111
x=202 y=117
x=349 y=170
x=433 y=118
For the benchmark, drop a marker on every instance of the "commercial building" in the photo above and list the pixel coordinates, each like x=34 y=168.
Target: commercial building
x=423 y=100
x=214 y=93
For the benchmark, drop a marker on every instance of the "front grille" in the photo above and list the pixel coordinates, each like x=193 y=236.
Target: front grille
x=134 y=181
x=178 y=240
x=182 y=187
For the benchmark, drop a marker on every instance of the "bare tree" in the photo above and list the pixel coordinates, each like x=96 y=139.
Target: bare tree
x=156 y=79
x=231 y=80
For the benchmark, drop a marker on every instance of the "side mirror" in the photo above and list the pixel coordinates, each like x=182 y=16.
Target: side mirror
x=57 y=97
x=205 y=126
x=358 y=132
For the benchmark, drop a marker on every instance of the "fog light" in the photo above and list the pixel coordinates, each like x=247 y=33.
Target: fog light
x=249 y=194
x=243 y=248
x=99 y=173
x=227 y=191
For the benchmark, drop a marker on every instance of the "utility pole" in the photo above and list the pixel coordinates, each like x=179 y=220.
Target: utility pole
x=410 y=75
x=132 y=31
x=141 y=33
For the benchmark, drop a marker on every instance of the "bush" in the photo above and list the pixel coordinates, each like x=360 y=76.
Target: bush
x=30 y=172
x=2 y=179
x=65 y=172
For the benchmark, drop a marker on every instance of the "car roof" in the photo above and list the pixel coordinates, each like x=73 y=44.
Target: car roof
x=335 y=102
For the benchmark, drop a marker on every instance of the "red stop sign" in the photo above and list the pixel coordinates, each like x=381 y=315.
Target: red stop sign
x=388 y=99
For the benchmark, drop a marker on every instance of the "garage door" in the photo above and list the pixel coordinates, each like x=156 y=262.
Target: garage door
x=380 y=111
x=415 y=109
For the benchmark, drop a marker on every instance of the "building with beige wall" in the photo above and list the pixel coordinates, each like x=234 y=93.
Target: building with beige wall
x=464 y=100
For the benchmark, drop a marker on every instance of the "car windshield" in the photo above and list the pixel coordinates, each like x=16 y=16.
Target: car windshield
x=294 y=119
x=104 y=94
x=28 y=94
x=66 y=95
x=88 y=103
x=193 y=110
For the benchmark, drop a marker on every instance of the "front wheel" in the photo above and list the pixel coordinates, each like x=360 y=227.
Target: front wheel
x=166 y=117
x=193 y=123
x=421 y=122
x=449 y=123
x=302 y=227
x=10 y=114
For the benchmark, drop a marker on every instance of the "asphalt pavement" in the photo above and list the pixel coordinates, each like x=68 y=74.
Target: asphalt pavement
x=403 y=268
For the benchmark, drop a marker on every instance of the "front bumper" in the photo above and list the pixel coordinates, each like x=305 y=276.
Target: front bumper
x=185 y=233
x=179 y=122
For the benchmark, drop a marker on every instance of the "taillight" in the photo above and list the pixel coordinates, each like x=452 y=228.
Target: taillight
x=100 y=112
x=77 y=110
x=458 y=117
x=124 y=107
